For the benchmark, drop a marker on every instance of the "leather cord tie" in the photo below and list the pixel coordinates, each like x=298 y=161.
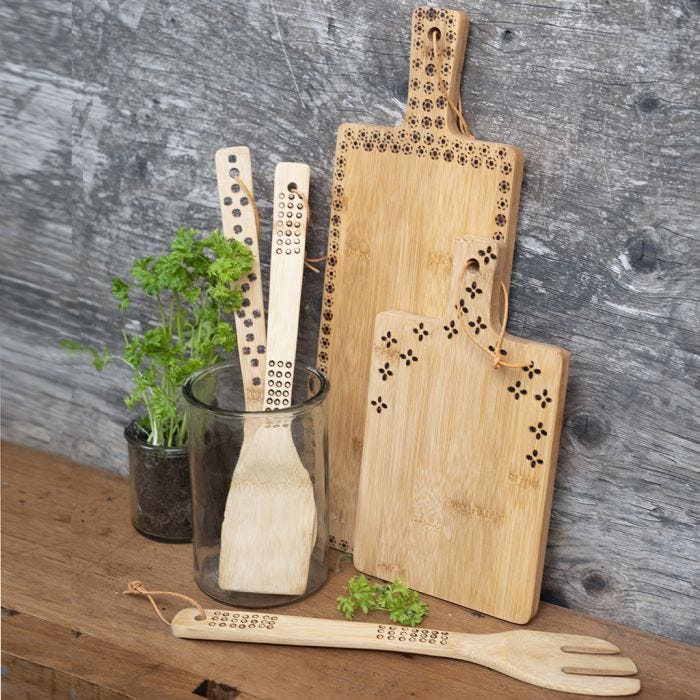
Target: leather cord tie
x=137 y=588
x=251 y=199
x=456 y=108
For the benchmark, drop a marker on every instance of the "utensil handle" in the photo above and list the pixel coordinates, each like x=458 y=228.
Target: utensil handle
x=429 y=79
x=239 y=221
x=289 y=223
x=244 y=626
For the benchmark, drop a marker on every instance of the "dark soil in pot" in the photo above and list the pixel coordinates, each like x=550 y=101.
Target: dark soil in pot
x=160 y=493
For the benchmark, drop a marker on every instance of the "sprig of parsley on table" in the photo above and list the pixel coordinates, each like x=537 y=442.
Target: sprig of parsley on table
x=401 y=602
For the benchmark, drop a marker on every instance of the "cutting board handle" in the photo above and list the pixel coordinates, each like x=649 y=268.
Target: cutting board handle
x=429 y=79
x=477 y=273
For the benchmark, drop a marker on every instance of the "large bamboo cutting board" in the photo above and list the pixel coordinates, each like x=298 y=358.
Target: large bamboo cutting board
x=401 y=196
x=459 y=456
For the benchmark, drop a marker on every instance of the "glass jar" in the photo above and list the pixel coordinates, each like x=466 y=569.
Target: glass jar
x=159 y=488
x=276 y=511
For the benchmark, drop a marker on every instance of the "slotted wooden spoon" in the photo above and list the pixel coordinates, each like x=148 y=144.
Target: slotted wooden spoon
x=271 y=513
x=567 y=662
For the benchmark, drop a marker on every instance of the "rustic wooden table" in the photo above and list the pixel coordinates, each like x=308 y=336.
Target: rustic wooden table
x=67 y=631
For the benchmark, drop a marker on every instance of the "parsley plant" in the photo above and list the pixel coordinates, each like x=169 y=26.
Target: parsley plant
x=193 y=288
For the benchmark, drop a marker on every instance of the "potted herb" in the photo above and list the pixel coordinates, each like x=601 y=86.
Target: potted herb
x=192 y=288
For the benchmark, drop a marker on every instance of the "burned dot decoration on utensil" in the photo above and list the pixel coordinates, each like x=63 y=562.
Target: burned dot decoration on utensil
x=517 y=390
x=421 y=331
x=241 y=620
x=288 y=228
x=379 y=404
x=461 y=307
x=543 y=398
x=473 y=290
x=492 y=348
x=279 y=384
x=531 y=370
x=451 y=330
x=408 y=357
x=538 y=430
x=411 y=634
x=534 y=459
x=477 y=325
x=487 y=255
x=389 y=340
x=385 y=371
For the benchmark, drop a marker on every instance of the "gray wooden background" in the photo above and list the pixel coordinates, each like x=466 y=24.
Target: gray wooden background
x=112 y=111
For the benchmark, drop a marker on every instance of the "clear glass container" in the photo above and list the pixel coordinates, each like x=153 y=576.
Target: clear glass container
x=217 y=424
x=159 y=488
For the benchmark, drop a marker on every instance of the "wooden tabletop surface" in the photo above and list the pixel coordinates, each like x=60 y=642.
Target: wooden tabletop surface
x=69 y=552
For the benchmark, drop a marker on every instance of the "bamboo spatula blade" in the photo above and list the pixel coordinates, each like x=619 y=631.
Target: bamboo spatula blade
x=271 y=514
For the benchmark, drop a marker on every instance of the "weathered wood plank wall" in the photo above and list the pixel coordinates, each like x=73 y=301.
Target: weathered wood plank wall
x=112 y=111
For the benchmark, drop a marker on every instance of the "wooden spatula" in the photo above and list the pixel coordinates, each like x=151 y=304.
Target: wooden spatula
x=239 y=221
x=401 y=196
x=566 y=662
x=459 y=456
x=271 y=513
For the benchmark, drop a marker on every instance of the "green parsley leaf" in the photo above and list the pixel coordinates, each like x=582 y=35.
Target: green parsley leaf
x=403 y=604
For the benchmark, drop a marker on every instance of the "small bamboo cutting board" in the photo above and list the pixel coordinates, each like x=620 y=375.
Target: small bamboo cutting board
x=459 y=456
x=401 y=196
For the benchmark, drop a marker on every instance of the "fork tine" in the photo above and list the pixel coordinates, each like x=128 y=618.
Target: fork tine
x=586 y=665
x=580 y=644
x=600 y=685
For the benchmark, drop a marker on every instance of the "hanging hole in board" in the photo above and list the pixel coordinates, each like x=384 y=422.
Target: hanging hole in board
x=291 y=186
x=434 y=32
x=234 y=172
x=472 y=266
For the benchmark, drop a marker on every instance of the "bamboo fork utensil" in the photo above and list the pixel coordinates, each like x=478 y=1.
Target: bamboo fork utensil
x=567 y=662
x=270 y=521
